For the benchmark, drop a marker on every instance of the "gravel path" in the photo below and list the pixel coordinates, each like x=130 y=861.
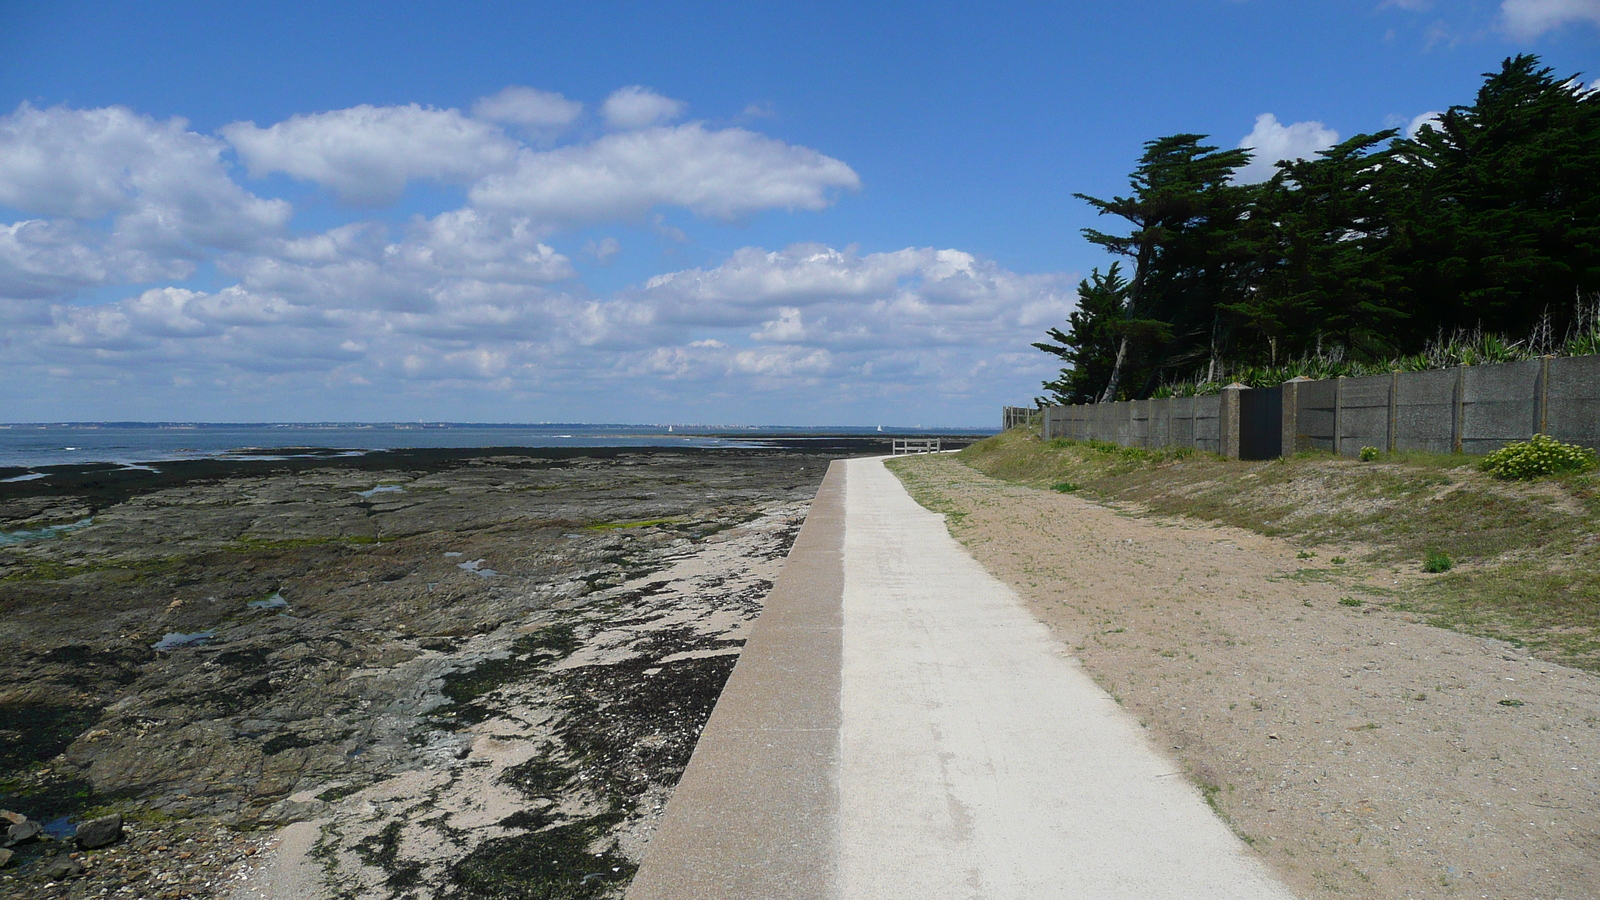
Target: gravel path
x=1360 y=752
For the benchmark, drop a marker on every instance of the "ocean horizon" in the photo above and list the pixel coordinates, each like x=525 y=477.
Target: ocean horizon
x=34 y=445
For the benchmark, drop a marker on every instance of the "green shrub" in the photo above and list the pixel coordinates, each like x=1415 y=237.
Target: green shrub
x=1536 y=457
x=1065 y=487
x=1368 y=454
x=1349 y=601
x=1437 y=562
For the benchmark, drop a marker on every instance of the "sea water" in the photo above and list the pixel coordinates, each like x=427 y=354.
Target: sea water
x=34 y=445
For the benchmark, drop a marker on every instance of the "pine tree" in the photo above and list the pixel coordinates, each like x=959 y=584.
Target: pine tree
x=1185 y=214
x=1089 y=347
x=1499 y=219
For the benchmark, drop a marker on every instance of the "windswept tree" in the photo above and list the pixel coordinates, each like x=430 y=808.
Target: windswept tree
x=1499 y=216
x=1319 y=236
x=1184 y=244
x=1089 y=346
x=1487 y=219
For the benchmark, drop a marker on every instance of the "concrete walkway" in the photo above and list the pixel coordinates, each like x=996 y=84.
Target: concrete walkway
x=899 y=726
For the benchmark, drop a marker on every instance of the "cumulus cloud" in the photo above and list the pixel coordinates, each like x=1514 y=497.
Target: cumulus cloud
x=1530 y=19
x=129 y=199
x=350 y=307
x=529 y=108
x=639 y=107
x=1418 y=121
x=366 y=154
x=45 y=259
x=470 y=301
x=814 y=294
x=1270 y=142
x=722 y=174
x=161 y=179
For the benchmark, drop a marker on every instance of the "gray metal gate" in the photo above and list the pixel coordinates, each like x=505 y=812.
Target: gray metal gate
x=1261 y=423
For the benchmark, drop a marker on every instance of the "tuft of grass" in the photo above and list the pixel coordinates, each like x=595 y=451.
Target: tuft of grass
x=1510 y=702
x=1064 y=487
x=1437 y=562
x=1349 y=601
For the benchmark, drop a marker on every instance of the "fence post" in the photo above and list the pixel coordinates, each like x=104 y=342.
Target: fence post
x=1394 y=408
x=1228 y=420
x=1541 y=398
x=1338 y=414
x=1289 y=436
x=1457 y=409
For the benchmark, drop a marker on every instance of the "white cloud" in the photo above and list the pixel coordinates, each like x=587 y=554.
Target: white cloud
x=45 y=259
x=1415 y=125
x=366 y=154
x=162 y=180
x=639 y=107
x=134 y=199
x=541 y=112
x=470 y=302
x=1530 y=19
x=602 y=250
x=350 y=307
x=723 y=174
x=818 y=295
x=1271 y=141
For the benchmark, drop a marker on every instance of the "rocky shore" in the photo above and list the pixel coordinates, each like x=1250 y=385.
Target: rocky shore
x=436 y=673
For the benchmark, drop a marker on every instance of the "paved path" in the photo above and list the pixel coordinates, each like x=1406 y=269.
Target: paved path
x=898 y=726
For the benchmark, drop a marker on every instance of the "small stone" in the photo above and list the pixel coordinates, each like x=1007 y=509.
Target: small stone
x=14 y=818
x=5 y=857
x=100 y=832
x=26 y=830
x=1273 y=736
x=62 y=869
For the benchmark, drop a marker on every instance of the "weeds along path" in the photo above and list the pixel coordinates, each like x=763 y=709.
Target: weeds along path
x=1360 y=751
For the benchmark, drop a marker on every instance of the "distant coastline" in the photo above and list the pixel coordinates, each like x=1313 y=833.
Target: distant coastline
x=25 y=447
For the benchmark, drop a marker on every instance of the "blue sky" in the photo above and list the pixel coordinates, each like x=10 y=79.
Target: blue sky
x=751 y=214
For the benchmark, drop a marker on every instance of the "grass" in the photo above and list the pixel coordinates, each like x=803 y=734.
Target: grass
x=1518 y=561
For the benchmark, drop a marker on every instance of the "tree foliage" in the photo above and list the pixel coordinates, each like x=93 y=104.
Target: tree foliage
x=1486 y=220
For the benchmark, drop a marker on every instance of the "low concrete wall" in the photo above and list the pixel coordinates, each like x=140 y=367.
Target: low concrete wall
x=1467 y=409
x=1167 y=422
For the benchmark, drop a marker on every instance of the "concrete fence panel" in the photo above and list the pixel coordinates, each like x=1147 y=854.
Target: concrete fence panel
x=1499 y=404
x=1472 y=409
x=1364 y=414
x=1314 y=416
x=1572 y=407
x=1139 y=423
x=1425 y=411
x=1161 y=422
x=1208 y=423
x=1182 y=421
